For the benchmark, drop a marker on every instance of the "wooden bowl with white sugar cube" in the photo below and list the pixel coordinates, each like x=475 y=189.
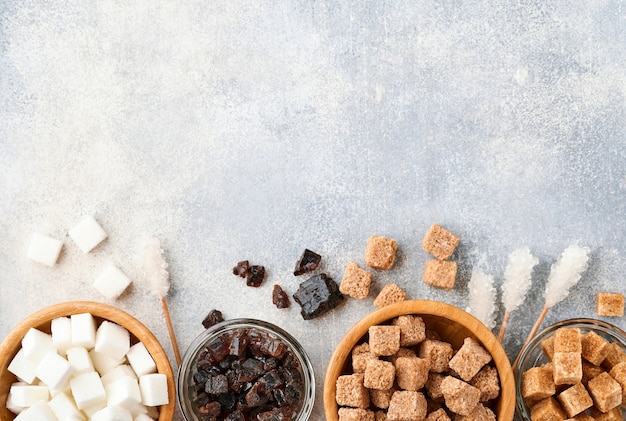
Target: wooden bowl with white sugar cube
x=76 y=359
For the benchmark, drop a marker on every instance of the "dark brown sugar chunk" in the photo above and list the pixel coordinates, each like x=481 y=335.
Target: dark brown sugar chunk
x=214 y=317
x=317 y=295
x=241 y=268
x=308 y=262
x=255 y=276
x=280 y=297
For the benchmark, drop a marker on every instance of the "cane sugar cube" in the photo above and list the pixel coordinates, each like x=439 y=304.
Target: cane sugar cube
x=614 y=414
x=567 y=368
x=44 y=249
x=356 y=414
x=581 y=417
x=487 y=382
x=538 y=383
x=470 y=358
x=54 y=371
x=439 y=415
x=389 y=294
x=547 y=409
x=64 y=408
x=406 y=405
x=403 y=352
x=83 y=330
x=36 y=344
x=112 y=282
x=87 y=234
x=103 y=363
x=88 y=391
x=594 y=348
x=479 y=413
x=380 y=252
x=26 y=395
x=547 y=346
x=112 y=340
x=610 y=304
x=605 y=391
x=614 y=356
x=411 y=372
x=590 y=371
x=117 y=373
x=379 y=374
x=412 y=329
x=618 y=372
x=360 y=356
x=384 y=340
x=575 y=400
x=61 y=330
x=140 y=360
x=440 y=274
x=123 y=392
x=356 y=281
x=40 y=411
x=437 y=352
x=351 y=391
x=79 y=359
x=567 y=340
x=22 y=367
x=433 y=385
x=440 y=242
x=381 y=398
x=112 y=413
x=153 y=389
x=460 y=397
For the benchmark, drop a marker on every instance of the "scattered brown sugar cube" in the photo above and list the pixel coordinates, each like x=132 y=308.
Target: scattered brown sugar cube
x=568 y=368
x=547 y=346
x=479 y=413
x=351 y=391
x=547 y=409
x=538 y=383
x=567 y=340
x=433 y=385
x=618 y=372
x=356 y=281
x=610 y=304
x=379 y=374
x=411 y=372
x=614 y=356
x=575 y=400
x=438 y=415
x=486 y=380
x=440 y=274
x=406 y=405
x=439 y=353
x=381 y=398
x=380 y=252
x=384 y=340
x=605 y=391
x=594 y=347
x=356 y=414
x=360 y=356
x=614 y=414
x=389 y=294
x=470 y=358
x=590 y=371
x=440 y=242
x=412 y=329
x=460 y=397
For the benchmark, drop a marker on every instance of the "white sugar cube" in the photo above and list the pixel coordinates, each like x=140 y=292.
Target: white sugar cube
x=26 y=395
x=44 y=249
x=54 y=371
x=87 y=234
x=123 y=392
x=64 y=408
x=22 y=367
x=83 y=330
x=11 y=406
x=143 y=417
x=117 y=373
x=112 y=413
x=112 y=282
x=89 y=411
x=36 y=344
x=140 y=360
x=88 y=390
x=104 y=363
x=154 y=389
x=112 y=340
x=79 y=359
x=61 y=329
x=40 y=411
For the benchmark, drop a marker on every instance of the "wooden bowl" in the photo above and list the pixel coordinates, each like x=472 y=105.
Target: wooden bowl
x=42 y=319
x=451 y=323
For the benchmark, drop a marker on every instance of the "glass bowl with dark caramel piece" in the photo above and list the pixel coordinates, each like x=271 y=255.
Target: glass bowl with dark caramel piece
x=243 y=369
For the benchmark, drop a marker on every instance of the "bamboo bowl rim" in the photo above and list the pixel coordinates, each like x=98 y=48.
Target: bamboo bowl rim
x=42 y=319
x=464 y=324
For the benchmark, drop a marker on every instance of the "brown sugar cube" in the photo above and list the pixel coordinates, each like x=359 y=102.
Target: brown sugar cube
x=590 y=371
x=486 y=380
x=412 y=329
x=433 y=385
x=380 y=252
x=605 y=391
x=351 y=391
x=402 y=352
x=614 y=414
x=379 y=374
x=479 y=413
x=360 y=356
x=440 y=242
x=594 y=348
x=567 y=340
x=440 y=274
x=380 y=416
x=568 y=368
x=581 y=417
x=406 y=405
x=439 y=353
x=389 y=294
x=411 y=372
x=575 y=400
x=470 y=358
x=547 y=346
x=356 y=281
x=538 y=383
x=384 y=340
x=614 y=356
x=460 y=397
x=356 y=414
x=547 y=409
x=618 y=372
x=438 y=415
x=381 y=398
x=610 y=304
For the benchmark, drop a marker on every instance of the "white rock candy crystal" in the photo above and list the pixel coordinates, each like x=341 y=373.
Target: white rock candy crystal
x=482 y=298
x=517 y=278
x=565 y=273
x=154 y=267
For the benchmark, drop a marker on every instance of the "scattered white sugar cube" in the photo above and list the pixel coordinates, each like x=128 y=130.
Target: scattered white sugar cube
x=103 y=363
x=88 y=391
x=61 y=329
x=54 y=371
x=79 y=359
x=140 y=360
x=112 y=413
x=117 y=373
x=112 y=282
x=112 y=340
x=83 y=330
x=154 y=389
x=22 y=367
x=64 y=408
x=87 y=234
x=44 y=249
x=123 y=392
x=40 y=411
x=36 y=344
x=26 y=395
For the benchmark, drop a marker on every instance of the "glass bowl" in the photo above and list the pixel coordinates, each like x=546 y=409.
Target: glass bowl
x=532 y=354
x=217 y=347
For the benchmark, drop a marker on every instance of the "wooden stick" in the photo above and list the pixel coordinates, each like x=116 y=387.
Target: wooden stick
x=505 y=322
x=534 y=330
x=170 y=328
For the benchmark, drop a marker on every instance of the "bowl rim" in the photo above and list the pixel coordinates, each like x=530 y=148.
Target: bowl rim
x=427 y=308
x=12 y=342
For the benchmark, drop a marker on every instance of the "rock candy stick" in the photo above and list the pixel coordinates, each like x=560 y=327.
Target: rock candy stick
x=482 y=297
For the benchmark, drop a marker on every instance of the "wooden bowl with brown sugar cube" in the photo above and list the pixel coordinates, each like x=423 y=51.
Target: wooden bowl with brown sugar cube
x=418 y=357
